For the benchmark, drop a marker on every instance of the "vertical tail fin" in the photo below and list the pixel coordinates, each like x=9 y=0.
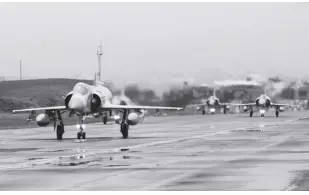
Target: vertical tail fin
x=99 y=54
x=214 y=92
x=265 y=91
x=95 y=78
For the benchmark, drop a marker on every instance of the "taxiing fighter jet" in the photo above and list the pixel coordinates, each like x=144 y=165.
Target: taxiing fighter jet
x=263 y=103
x=212 y=103
x=85 y=100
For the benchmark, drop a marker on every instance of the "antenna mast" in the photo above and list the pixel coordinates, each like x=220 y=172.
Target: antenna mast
x=99 y=54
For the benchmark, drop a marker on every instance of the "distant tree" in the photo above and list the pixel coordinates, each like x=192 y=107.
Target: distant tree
x=275 y=79
x=288 y=93
x=132 y=91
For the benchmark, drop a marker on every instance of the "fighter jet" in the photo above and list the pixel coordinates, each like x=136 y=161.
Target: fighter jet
x=212 y=103
x=122 y=99
x=263 y=102
x=86 y=100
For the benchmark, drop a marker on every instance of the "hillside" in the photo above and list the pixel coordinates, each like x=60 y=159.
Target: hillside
x=33 y=93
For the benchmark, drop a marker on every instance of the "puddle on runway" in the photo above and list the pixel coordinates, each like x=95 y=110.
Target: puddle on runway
x=250 y=129
x=17 y=149
x=30 y=159
x=56 y=150
x=106 y=160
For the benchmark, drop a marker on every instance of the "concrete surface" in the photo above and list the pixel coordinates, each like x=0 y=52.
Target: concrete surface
x=213 y=152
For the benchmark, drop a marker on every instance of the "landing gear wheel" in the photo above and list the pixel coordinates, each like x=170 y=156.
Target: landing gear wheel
x=104 y=120
x=224 y=110
x=262 y=115
x=203 y=112
x=277 y=113
x=251 y=113
x=59 y=132
x=84 y=135
x=79 y=135
x=124 y=130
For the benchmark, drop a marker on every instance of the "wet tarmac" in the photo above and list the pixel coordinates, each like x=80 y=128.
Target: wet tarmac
x=213 y=152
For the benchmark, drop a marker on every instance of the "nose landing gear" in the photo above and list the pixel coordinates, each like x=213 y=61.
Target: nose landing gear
x=81 y=135
x=81 y=126
x=262 y=111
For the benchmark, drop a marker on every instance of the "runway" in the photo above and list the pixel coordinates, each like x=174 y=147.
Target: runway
x=212 y=152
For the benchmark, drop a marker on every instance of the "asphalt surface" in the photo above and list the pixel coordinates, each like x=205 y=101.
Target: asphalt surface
x=213 y=152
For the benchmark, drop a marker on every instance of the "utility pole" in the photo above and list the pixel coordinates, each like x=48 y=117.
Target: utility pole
x=20 y=70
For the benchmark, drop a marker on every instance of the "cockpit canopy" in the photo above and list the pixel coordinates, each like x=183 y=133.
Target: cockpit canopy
x=81 y=88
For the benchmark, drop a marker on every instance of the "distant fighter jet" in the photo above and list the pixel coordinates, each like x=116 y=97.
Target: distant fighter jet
x=93 y=100
x=212 y=103
x=263 y=102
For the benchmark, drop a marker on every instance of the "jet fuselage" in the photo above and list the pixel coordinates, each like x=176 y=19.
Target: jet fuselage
x=85 y=99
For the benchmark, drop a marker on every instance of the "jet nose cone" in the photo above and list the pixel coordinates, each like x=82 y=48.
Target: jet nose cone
x=77 y=103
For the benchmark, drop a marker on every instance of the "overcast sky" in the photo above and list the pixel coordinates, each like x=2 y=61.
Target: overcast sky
x=155 y=42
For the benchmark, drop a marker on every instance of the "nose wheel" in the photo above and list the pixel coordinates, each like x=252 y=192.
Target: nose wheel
x=81 y=134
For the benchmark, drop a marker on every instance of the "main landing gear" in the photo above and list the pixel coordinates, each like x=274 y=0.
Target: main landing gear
x=251 y=112
x=104 y=119
x=59 y=132
x=81 y=135
x=277 y=112
x=124 y=127
x=60 y=127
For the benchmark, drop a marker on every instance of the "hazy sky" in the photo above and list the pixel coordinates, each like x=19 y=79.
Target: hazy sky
x=152 y=42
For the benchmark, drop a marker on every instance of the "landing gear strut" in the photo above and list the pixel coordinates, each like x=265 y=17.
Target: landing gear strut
x=81 y=134
x=124 y=127
x=59 y=127
x=125 y=130
x=203 y=112
x=262 y=112
x=251 y=112
x=277 y=112
x=104 y=119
